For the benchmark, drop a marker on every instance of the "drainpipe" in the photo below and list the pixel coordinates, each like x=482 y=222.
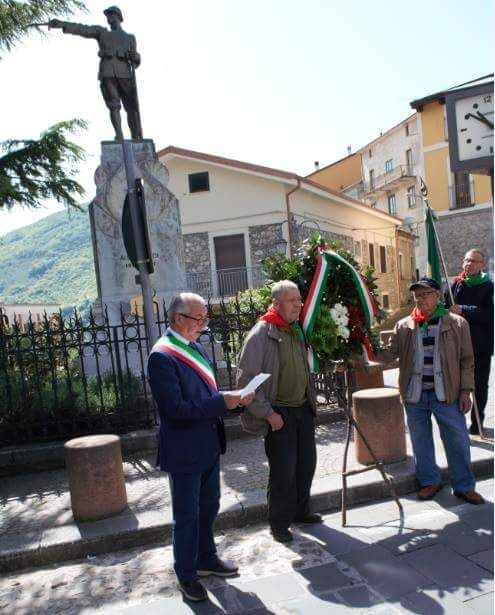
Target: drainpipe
x=287 y=203
x=397 y=261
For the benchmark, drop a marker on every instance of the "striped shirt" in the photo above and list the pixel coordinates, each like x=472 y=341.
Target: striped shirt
x=429 y=338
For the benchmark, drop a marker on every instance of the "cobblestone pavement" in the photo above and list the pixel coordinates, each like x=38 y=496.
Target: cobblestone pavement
x=437 y=560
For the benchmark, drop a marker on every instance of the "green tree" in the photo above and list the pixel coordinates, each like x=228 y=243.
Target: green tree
x=38 y=169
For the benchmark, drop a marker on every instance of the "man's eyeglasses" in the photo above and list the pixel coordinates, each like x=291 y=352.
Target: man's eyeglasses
x=423 y=295
x=472 y=260
x=201 y=321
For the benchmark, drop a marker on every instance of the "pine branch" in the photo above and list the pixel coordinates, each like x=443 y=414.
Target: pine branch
x=15 y=17
x=31 y=171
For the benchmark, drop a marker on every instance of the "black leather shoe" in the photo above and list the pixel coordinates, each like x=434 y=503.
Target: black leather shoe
x=219 y=569
x=281 y=534
x=193 y=591
x=309 y=519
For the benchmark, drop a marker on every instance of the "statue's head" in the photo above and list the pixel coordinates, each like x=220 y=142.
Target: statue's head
x=113 y=11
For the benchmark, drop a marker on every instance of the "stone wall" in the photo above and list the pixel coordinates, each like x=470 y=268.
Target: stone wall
x=346 y=242
x=464 y=229
x=197 y=253
x=197 y=263
x=266 y=240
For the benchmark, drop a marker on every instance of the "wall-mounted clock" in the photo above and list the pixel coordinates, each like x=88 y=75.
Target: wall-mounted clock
x=470 y=125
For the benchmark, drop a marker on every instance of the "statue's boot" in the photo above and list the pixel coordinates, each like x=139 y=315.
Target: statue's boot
x=117 y=124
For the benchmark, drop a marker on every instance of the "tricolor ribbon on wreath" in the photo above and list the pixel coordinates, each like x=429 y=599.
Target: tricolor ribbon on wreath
x=324 y=262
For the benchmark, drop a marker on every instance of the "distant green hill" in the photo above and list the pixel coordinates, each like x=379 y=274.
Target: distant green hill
x=49 y=261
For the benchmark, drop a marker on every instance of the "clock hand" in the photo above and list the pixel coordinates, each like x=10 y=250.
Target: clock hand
x=481 y=119
x=484 y=119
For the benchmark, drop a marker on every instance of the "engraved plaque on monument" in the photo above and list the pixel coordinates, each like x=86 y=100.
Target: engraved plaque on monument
x=115 y=274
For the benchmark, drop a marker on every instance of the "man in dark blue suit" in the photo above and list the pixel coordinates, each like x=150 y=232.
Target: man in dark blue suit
x=472 y=291
x=192 y=437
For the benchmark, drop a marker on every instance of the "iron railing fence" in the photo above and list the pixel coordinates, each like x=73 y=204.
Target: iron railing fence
x=461 y=195
x=66 y=376
x=390 y=178
x=225 y=282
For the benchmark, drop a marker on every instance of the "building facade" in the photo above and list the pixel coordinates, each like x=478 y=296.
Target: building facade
x=22 y=312
x=235 y=214
x=463 y=200
x=388 y=177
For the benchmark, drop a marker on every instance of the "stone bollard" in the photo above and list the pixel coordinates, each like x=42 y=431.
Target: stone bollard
x=380 y=416
x=96 y=477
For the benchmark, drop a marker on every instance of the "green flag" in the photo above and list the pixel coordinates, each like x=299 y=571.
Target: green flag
x=433 y=257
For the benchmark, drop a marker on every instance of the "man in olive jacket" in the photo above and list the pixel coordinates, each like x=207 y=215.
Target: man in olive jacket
x=436 y=376
x=283 y=408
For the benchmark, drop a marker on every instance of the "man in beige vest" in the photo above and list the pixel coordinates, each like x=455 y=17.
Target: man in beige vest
x=436 y=375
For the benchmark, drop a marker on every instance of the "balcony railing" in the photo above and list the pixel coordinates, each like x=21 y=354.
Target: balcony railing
x=390 y=180
x=225 y=282
x=355 y=191
x=461 y=195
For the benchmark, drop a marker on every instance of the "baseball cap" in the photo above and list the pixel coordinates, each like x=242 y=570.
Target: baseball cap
x=425 y=283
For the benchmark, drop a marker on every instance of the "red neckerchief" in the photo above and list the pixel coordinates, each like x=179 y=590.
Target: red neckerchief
x=460 y=277
x=273 y=317
x=418 y=316
x=422 y=320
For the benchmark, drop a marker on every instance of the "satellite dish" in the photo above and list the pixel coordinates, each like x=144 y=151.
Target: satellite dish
x=409 y=220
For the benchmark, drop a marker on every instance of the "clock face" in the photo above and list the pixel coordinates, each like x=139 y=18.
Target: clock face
x=474 y=120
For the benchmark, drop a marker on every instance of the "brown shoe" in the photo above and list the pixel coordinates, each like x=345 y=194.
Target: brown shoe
x=428 y=492
x=471 y=497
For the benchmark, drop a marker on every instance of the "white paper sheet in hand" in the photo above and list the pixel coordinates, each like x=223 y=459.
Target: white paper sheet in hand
x=253 y=384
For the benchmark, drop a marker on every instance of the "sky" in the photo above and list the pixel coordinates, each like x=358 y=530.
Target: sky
x=281 y=83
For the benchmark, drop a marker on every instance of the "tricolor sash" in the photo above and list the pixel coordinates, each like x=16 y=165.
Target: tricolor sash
x=188 y=355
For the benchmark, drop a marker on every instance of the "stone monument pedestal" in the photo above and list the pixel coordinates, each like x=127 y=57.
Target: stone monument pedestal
x=116 y=276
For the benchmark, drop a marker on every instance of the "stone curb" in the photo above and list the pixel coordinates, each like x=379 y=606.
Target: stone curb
x=50 y=456
x=126 y=530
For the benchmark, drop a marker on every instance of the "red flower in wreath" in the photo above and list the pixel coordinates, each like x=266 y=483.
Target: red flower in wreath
x=357 y=335
x=356 y=315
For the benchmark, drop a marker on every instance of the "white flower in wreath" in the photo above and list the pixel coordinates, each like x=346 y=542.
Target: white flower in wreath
x=343 y=332
x=340 y=315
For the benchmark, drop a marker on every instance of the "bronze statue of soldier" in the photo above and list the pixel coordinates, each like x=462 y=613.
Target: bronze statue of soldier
x=118 y=60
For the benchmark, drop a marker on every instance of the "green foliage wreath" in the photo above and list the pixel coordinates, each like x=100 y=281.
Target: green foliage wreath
x=340 y=288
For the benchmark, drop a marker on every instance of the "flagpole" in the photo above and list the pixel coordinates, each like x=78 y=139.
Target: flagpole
x=424 y=192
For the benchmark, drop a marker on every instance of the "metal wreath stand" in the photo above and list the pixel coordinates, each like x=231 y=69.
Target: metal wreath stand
x=344 y=396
